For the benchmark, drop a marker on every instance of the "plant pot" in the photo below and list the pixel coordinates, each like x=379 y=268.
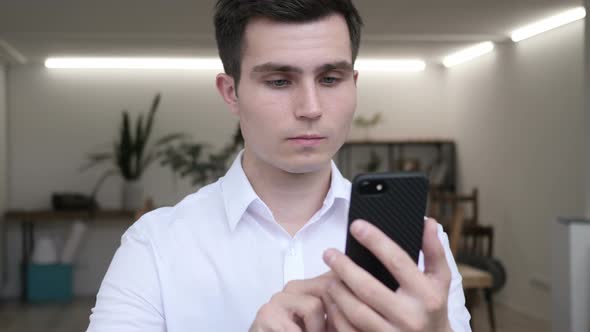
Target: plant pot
x=132 y=195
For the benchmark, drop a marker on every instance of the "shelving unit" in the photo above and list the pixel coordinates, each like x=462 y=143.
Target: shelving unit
x=440 y=157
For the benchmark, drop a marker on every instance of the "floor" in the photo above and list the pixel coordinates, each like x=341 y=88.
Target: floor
x=507 y=320
x=73 y=317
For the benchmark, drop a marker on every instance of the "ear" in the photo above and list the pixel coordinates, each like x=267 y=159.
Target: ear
x=355 y=75
x=226 y=88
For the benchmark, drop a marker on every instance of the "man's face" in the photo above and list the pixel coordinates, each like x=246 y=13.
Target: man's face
x=297 y=92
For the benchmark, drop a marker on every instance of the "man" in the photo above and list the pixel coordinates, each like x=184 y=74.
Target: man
x=261 y=248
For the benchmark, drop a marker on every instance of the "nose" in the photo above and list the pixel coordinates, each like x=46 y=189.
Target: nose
x=309 y=106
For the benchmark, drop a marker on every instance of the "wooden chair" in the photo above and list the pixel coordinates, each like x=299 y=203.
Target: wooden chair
x=467 y=238
x=476 y=249
x=442 y=205
x=455 y=235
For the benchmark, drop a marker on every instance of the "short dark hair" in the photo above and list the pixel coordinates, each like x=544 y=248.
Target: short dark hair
x=232 y=16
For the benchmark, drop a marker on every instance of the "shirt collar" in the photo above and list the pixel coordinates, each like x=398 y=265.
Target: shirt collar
x=339 y=187
x=238 y=193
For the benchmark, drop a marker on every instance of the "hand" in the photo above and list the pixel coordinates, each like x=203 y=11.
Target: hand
x=298 y=307
x=359 y=302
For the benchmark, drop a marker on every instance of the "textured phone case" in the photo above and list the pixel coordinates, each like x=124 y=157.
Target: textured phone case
x=399 y=212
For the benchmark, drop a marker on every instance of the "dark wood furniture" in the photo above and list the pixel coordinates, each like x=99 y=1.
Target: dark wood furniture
x=438 y=151
x=468 y=238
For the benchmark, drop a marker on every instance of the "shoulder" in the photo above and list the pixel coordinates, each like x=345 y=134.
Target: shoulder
x=195 y=210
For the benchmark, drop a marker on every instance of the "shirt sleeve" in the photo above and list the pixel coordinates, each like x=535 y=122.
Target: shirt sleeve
x=458 y=315
x=129 y=297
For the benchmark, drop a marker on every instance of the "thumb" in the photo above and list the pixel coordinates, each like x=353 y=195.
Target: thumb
x=435 y=262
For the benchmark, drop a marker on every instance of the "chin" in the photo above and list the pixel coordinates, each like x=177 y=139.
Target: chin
x=306 y=164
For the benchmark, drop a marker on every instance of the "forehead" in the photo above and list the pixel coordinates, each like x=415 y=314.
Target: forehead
x=303 y=44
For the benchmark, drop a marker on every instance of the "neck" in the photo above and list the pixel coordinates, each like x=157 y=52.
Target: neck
x=293 y=198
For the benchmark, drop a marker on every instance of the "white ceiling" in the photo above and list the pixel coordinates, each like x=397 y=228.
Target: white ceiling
x=33 y=30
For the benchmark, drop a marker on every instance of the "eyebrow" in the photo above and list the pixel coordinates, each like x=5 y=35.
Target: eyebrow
x=340 y=65
x=277 y=67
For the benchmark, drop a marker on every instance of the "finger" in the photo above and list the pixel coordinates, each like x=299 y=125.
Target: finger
x=274 y=318
x=435 y=262
x=337 y=322
x=356 y=312
x=315 y=286
x=396 y=307
x=306 y=308
x=288 y=326
x=402 y=309
x=391 y=255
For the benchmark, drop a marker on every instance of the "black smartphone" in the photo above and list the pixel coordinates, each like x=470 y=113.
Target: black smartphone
x=396 y=204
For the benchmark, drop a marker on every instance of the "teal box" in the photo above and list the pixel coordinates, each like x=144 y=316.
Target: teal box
x=49 y=283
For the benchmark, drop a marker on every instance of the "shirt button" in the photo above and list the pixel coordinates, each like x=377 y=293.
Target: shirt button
x=292 y=251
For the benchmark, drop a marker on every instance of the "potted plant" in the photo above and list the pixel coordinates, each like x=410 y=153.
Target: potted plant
x=367 y=123
x=198 y=162
x=132 y=154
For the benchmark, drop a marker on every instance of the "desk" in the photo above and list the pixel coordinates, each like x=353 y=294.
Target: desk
x=27 y=220
x=474 y=278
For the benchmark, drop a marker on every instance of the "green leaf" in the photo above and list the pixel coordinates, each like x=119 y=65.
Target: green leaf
x=150 y=119
x=125 y=149
x=170 y=138
x=139 y=145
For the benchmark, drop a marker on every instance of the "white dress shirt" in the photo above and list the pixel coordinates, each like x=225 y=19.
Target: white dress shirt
x=211 y=261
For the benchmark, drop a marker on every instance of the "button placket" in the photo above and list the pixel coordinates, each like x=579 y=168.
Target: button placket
x=293 y=264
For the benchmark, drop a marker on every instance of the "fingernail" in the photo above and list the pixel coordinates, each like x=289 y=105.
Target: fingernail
x=329 y=256
x=358 y=228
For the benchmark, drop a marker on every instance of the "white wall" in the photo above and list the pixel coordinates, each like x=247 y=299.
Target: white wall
x=59 y=116
x=587 y=107
x=3 y=147
x=3 y=136
x=521 y=137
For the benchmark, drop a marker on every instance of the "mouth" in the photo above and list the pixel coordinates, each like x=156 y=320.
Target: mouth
x=307 y=140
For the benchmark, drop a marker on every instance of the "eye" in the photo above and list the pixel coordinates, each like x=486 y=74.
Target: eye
x=278 y=83
x=329 y=80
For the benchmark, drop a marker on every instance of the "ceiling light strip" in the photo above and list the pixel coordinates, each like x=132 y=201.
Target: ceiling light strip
x=134 y=63
x=548 y=24
x=409 y=65
x=468 y=54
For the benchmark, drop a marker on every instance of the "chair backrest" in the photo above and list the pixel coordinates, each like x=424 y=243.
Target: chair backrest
x=442 y=206
x=478 y=240
x=465 y=232
x=472 y=200
x=455 y=235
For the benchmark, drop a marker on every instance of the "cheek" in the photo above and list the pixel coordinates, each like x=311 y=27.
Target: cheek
x=261 y=116
x=261 y=110
x=342 y=107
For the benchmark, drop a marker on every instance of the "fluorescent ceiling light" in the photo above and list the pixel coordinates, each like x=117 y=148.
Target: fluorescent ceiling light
x=206 y=63
x=408 y=65
x=135 y=63
x=548 y=24
x=468 y=54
